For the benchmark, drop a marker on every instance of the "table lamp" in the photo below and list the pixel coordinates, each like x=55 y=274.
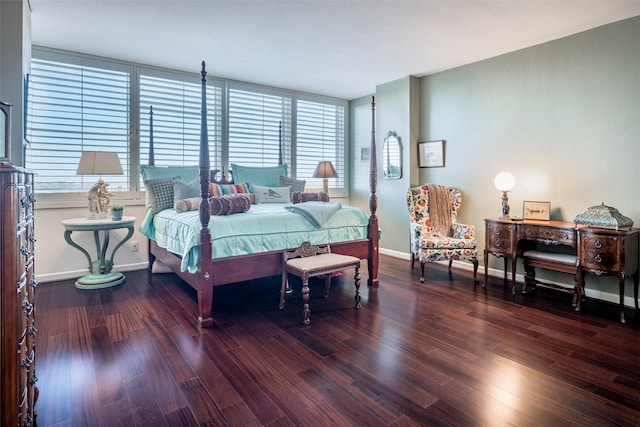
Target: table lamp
x=325 y=170
x=99 y=163
x=504 y=182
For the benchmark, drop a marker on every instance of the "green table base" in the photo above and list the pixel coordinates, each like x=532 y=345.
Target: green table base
x=99 y=281
x=100 y=274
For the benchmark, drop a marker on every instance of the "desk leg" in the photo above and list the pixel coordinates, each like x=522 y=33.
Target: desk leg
x=486 y=266
x=514 y=260
x=621 y=290
x=636 y=281
x=505 y=272
x=579 y=287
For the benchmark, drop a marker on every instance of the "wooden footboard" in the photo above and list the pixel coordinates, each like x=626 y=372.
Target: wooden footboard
x=235 y=269
x=223 y=271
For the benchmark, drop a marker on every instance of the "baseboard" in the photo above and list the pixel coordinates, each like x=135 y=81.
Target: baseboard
x=67 y=275
x=494 y=272
x=395 y=254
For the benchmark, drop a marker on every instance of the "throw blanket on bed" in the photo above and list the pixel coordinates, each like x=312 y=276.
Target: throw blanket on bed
x=318 y=213
x=440 y=208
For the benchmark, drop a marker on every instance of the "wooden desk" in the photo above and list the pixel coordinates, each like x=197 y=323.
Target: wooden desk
x=100 y=274
x=599 y=251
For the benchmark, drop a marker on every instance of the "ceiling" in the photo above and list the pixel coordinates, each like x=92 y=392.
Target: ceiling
x=339 y=48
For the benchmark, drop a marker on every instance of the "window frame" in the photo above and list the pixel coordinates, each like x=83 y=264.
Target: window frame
x=136 y=193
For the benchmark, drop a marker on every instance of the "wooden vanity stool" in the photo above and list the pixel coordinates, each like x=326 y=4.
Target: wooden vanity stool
x=309 y=261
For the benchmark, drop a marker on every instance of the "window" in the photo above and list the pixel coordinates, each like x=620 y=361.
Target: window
x=79 y=103
x=177 y=119
x=75 y=108
x=320 y=135
x=257 y=122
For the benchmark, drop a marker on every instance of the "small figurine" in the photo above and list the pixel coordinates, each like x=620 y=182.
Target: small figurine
x=99 y=197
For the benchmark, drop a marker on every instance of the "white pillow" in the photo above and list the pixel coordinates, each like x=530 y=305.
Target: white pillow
x=272 y=194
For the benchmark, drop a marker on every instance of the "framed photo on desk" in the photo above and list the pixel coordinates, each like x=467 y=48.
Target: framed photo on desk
x=536 y=210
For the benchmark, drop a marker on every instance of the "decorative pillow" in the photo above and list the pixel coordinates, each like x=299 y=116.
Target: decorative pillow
x=265 y=176
x=160 y=192
x=272 y=194
x=187 y=173
x=227 y=205
x=309 y=197
x=185 y=190
x=222 y=189
x=186 y=205
x=297 y=185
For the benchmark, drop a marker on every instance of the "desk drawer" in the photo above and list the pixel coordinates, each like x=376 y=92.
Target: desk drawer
x=600 y=252
x=550 y=236
x=499 y=237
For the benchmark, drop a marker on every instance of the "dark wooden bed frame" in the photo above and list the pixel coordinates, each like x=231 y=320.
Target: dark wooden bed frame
x=222 y=271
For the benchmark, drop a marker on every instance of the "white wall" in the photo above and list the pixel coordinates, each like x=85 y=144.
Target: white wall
x=56 y=260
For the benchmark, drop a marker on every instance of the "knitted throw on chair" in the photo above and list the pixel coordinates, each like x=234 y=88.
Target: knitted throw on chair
x=440 y=208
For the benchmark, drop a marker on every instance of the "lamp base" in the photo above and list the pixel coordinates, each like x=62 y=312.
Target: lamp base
x=325 y=185
x=99 y=198
x=505 y=206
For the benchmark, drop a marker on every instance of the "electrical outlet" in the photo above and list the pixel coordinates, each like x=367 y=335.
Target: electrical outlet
x=134 y=246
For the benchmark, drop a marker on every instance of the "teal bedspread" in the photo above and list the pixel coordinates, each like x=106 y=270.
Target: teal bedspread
x=264 y=228
x=318 y=213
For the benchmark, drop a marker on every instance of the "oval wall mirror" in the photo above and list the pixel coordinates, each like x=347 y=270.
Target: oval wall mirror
x=392 y=157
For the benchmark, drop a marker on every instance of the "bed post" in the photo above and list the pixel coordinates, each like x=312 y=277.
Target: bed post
x=152 y=161
x=205 y=281
x=372 y=231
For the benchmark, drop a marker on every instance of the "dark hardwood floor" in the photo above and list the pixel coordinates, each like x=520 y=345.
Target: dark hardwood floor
x=438 y=353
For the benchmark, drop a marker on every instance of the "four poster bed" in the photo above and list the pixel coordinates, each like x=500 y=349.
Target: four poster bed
x=204 y=265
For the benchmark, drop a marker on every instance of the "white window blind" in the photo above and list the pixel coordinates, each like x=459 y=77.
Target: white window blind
x=320 y=135
x=254 y=128
x=176 y=120
x=75 y=108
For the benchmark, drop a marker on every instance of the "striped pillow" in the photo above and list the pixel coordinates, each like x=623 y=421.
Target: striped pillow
x=224 y=189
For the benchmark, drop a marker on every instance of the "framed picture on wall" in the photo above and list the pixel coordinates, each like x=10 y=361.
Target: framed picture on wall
x=536 y=210
x=431 y=154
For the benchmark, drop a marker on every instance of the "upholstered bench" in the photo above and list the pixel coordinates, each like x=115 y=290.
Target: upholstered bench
x=564 y=263
x=309 y=261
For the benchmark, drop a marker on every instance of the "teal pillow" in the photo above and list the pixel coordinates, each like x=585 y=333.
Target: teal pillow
x=187 y=173
x=266 y=176
x=185 y=190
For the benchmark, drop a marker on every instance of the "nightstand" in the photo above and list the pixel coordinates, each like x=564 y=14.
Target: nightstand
x=100 y=274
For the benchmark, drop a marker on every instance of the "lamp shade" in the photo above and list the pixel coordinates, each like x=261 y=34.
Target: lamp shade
x=504 y=181
x=325 y=170
x=99 y=163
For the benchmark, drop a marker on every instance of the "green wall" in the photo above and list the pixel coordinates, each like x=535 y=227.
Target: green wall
x=563 y=117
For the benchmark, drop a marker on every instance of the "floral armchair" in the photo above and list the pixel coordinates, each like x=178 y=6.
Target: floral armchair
x=447 y=240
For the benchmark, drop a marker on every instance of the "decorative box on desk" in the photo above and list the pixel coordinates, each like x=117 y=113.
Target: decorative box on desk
x=603 y=216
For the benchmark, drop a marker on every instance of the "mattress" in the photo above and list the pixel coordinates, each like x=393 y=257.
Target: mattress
x=265 y=227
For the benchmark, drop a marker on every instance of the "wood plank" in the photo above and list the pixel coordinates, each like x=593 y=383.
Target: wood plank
x=444 y=352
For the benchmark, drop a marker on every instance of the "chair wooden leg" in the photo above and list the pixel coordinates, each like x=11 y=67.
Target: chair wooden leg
x=283 y=289
x=327 y=285
x=413 y=259
x=357 y=280
x=475 y=272
x=422 y=271
x=306 y=313
x=450 y=263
